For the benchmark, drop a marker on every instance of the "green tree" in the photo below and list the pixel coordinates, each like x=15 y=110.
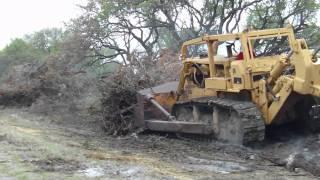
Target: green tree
x=137 y=29
x=19 y=51
x=47 y=40
x=277 y=13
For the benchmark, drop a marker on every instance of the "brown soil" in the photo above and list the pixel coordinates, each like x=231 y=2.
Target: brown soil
x=40 y=147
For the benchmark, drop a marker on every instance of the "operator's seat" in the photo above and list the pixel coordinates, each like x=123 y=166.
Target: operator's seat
x=219 y=58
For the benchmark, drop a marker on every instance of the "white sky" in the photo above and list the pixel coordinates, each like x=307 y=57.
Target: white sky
x=20 y=17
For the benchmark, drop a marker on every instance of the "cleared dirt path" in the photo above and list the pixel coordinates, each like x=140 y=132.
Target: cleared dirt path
x=36 y=147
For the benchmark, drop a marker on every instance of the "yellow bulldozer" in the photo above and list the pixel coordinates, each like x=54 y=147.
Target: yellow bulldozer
x=232 y=86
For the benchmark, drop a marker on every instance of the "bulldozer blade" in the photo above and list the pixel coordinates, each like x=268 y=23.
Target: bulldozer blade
x=179 y=126
x=163 y=95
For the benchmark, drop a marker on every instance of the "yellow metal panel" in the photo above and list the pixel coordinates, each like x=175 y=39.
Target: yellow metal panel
x=268 y=36
x=237 y=70
x=194 y=42
x=316 y=90
x=284 y=93
x=211 y=59
x=264 y=64
x=222 y=37
x=197 y=60
x=216 y=83
x=259 y=96
x=306 y=75
x=268 y=32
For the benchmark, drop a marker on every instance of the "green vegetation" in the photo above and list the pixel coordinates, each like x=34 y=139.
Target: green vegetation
x=37 y=47
x=34 y=47
x=301 y=14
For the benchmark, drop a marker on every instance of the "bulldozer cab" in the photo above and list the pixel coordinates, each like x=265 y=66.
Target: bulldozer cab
x=223 y=52
x=234 y=62
x=211 y=59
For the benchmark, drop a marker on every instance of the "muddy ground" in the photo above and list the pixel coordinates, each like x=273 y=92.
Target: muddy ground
x=39 y=147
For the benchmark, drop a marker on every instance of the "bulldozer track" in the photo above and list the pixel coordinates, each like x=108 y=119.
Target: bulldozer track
x=252 y=127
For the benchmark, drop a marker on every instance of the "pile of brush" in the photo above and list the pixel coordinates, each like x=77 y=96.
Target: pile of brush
x=119 y=90
x=118 y=101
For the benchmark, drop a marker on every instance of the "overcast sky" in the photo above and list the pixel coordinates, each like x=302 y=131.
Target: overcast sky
x=19 y=17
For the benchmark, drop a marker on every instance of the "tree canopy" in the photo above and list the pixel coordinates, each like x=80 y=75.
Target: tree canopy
x=277 y=13
x=138 y=28
x=46 y=40
x=129 y=30
x=135 y=31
